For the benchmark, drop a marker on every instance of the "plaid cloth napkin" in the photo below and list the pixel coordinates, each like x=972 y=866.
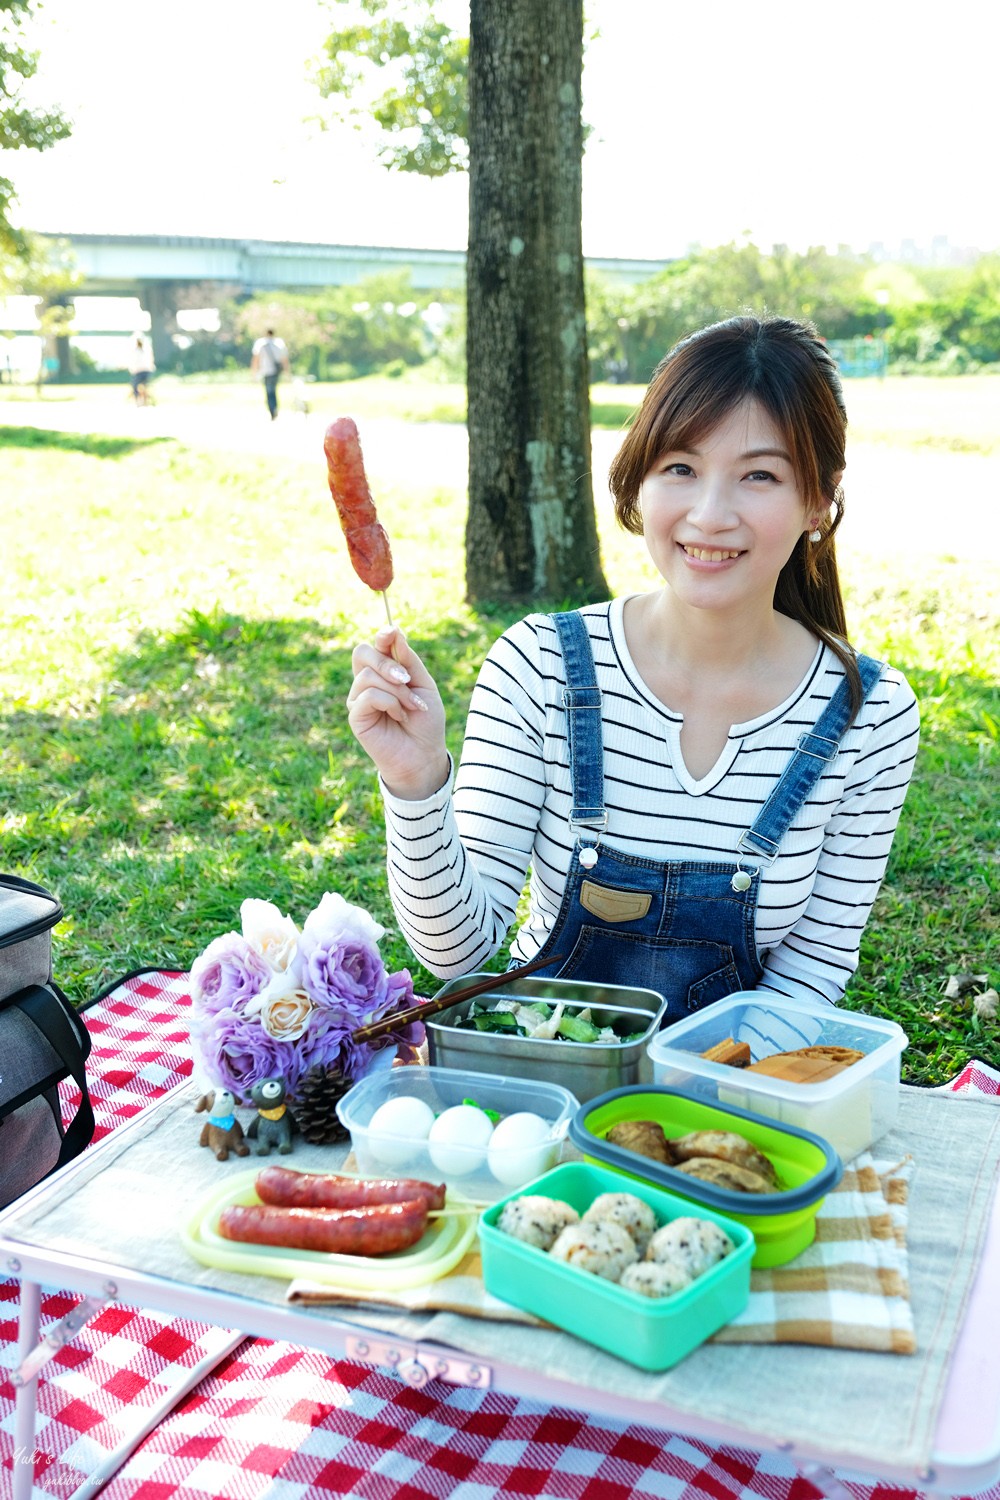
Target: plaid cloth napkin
x=849 y=1289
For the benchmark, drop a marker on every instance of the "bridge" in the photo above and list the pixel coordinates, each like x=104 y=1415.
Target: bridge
x=168 y=271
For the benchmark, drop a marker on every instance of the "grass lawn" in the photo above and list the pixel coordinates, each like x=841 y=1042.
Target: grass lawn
x=175 y=648
x=410 y=397
x=960 y=414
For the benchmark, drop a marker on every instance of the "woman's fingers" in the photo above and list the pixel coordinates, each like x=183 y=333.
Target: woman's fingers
x=369 y=658
x=389 y=660
x=391 y=642
x=371 y=705
x=382 y=684
x=395 y=712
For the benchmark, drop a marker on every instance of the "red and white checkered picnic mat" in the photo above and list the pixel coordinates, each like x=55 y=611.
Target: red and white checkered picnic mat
x=280 y=1421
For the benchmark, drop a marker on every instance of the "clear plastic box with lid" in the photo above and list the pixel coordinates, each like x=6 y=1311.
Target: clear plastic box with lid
x=851 y=1109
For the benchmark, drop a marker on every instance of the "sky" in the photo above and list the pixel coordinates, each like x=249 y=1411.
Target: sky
x=797 y=123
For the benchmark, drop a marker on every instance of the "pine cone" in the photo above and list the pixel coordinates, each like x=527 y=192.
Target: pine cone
x=316 y=1104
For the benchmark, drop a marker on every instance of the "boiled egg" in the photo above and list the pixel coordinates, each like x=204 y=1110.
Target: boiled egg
x=398 y=1130
x=458 y=1140
x=521 y=1148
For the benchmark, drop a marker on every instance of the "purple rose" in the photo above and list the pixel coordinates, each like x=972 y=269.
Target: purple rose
x=227 y=975
x=397 y=995
x=342 y=967
x=345 y=976
x=235 y=1051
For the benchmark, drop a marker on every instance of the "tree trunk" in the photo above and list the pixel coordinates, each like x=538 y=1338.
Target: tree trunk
x=531 y=530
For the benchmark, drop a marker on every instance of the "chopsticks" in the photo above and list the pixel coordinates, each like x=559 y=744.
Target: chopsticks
x=444 y=1002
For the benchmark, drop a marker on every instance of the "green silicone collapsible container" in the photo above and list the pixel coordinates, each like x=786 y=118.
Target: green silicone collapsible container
x=807 y=1167
x=653 y=1333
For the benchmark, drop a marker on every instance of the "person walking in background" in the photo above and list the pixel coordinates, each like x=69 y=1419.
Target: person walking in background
x=140 y=368
x=268 y=359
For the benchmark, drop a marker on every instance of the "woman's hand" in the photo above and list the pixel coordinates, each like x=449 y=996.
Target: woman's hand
x=396 y=715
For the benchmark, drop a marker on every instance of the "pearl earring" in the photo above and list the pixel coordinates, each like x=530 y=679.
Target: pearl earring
x=816 y=536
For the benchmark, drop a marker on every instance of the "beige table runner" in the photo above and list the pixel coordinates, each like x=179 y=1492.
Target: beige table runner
x=125 y=1203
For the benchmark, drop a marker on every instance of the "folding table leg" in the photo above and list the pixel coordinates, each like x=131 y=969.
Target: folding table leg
x=229 y=1340
x=825 y=1481
x=33 y=1356
x=27 y=1394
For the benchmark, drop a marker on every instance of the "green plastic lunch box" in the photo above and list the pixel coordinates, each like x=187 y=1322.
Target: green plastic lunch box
x=783 y=1223
x=653 y=1333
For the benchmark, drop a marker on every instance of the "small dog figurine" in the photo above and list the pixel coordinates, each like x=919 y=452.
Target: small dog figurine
x=222 y=1132
x=275 y=1123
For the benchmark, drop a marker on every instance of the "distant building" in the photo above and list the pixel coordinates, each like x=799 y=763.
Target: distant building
x=940 y=252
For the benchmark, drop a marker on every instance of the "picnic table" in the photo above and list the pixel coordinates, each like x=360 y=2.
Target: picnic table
x=288 y=1406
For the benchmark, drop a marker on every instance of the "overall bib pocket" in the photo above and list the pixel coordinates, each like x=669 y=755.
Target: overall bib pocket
x=688 y=973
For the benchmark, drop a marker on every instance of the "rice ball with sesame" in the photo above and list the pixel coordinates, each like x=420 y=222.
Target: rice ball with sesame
x=536 y=1220
x=604 y=1249
x=651 y=1278
x=626 y=1210
x=694 y=1244
x=715 y=1240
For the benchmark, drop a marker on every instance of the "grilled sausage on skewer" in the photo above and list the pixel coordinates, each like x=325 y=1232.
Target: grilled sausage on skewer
x=367 y=542
x=283 y=1188
x=377 y=1230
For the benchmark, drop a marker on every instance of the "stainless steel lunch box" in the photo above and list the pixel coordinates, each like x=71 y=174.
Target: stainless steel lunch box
x=585 y=1068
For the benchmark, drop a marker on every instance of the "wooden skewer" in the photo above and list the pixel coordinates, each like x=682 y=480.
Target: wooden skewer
x=388 y=611
x=444 y=1002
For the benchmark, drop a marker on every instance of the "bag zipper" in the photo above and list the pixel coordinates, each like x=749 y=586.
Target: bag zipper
x=40 y=924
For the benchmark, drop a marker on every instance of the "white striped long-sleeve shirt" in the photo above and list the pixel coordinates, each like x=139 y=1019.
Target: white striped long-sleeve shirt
x=457 y=863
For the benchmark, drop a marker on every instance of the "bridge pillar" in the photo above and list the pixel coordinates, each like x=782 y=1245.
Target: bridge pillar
x=64 y=355
x=55 y=317
x=159 y=299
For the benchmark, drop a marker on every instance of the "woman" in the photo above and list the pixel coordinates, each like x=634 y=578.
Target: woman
x=704 y=779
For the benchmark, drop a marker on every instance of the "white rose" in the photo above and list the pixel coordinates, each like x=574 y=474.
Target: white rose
x=274 y=937
x=285 y=1013
x=336 y=919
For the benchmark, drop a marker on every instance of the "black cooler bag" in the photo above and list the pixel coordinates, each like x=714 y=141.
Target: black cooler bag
x=42 y=1041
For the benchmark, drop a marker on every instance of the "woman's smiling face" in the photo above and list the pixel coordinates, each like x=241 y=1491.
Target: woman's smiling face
x=722 y=518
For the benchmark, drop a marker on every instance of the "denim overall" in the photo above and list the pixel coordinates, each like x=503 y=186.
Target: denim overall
x=684 y=928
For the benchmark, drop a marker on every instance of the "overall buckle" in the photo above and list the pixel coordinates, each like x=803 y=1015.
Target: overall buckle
x=742 y=879
x=818 y=739
x=595 y=825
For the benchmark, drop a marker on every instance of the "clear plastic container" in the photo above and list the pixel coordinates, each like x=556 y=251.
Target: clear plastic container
x=851 y=1110
x=464 y=1157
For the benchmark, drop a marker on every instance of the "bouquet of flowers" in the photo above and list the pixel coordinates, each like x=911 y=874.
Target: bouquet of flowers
x=274 y=1001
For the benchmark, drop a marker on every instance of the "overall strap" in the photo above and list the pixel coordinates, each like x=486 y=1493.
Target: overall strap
x=582 y=701
x=815 y=749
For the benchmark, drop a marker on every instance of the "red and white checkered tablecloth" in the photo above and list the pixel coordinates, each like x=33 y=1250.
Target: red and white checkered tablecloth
x=284 y=1422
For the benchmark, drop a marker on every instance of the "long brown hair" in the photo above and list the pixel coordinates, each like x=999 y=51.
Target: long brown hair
x=785 y=367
